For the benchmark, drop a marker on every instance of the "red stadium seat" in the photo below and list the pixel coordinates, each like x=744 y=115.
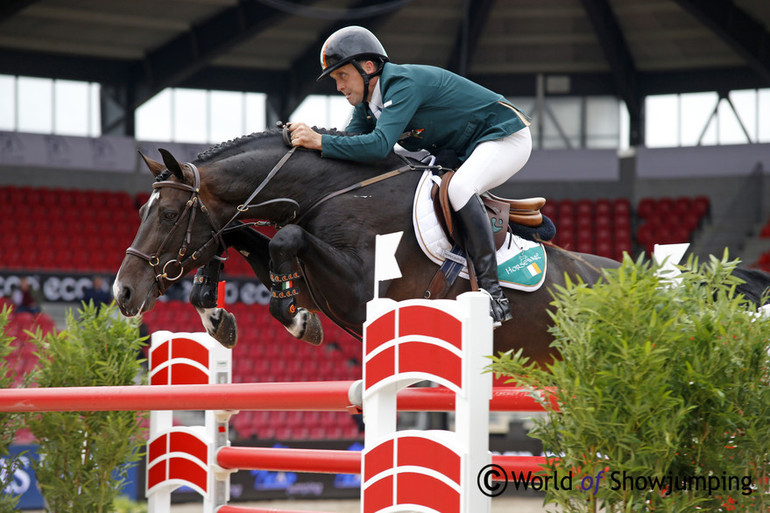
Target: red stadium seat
x=664 y=206
x=604 y=248
x=566 y=208
x=646 y=234
x=584 y=208
x=602 y=221
x=646 y=208
x=549 y=210
x=701 y=205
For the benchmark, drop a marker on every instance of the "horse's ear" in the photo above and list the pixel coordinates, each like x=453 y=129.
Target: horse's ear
x=172 y=164
x=156 y=168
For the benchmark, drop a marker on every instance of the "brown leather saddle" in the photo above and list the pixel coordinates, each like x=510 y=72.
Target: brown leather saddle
x=501 y=211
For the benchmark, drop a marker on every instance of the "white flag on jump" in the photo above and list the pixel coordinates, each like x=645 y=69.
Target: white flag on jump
x=667 y=256
x=385 y=264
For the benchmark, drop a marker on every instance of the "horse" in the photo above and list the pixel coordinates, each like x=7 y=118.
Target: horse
x=321 y=258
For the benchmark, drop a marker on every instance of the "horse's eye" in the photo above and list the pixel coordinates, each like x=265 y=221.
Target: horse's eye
x=170 y=216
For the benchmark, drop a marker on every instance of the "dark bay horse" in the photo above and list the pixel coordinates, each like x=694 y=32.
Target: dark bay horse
x=324 y=248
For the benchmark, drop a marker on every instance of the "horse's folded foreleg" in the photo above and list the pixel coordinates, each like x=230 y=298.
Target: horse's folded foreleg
x=204 y=290
x=219 y=323
x=300 y=322
x=335 y=277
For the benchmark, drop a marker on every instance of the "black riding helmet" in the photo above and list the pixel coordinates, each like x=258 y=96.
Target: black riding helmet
x=349 y=45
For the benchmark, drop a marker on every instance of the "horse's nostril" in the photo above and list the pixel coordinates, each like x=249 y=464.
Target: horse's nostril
x=125 y=295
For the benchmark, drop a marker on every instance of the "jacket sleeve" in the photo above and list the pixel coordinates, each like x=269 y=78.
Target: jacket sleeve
x=402 y=100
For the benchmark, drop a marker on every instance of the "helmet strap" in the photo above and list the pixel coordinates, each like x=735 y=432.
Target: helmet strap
x=367 y=77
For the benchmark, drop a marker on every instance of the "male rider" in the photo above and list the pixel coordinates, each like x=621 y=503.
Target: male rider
x=427 y=108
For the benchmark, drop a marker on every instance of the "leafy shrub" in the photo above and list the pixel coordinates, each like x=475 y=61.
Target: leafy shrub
x=9 y=422
x=84 y=456
x=657 y=381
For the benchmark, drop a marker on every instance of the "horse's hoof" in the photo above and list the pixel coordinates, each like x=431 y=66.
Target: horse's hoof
x=306 y=326
x=226 y=331
x=314 y=332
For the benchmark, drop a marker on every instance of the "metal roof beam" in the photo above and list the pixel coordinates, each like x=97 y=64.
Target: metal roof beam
x=9 y=8
x=470 y=30
x=621 y=62
x=737 y=28
x=193 y=50
x=615 y=49
x=63 y=66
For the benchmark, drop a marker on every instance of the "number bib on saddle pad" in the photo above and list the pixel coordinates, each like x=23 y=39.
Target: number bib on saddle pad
x=521 y=264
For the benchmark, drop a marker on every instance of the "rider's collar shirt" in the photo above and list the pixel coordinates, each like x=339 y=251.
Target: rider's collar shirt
x=375 y=104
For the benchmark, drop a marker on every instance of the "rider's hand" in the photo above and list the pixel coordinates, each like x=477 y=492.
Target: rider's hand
x=303 y=135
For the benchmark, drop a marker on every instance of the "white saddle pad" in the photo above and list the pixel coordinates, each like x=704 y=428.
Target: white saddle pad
x=521 y=263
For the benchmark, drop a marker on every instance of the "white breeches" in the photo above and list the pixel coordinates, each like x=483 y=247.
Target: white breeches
x=490 y=164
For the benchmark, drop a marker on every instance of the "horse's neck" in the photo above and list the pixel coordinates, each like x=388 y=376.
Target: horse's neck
x=305 y=177
x=310 y=178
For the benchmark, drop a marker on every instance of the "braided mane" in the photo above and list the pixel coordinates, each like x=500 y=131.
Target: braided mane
x=228 y=147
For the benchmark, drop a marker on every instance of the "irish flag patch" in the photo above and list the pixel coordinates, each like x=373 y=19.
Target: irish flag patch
x=525 y=270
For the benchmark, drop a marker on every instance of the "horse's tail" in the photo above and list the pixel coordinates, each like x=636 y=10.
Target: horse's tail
x=757 y=286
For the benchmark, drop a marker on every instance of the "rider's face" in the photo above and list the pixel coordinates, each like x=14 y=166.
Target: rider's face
x=350 y=83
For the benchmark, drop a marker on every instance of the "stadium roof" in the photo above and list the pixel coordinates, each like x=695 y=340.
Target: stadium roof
x=625 y=48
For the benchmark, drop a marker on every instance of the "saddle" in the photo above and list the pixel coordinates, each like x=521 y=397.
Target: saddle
x=501 y=211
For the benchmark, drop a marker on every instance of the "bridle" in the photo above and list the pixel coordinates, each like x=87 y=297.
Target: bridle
x=192 y=206
x=194 y=203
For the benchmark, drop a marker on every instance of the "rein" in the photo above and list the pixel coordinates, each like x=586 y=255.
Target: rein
x=356 y=186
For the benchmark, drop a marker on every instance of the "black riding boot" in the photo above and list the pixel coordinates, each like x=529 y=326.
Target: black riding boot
x=476 y=235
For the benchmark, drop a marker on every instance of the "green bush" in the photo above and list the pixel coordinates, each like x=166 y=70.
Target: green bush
x=126 y=505
x=84 y=456
x=657 y=382
x=9 y=422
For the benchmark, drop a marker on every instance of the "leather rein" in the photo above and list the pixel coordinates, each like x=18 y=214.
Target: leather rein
x=177 y=264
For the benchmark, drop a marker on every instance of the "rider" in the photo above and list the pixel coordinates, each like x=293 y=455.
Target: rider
x=427 y=108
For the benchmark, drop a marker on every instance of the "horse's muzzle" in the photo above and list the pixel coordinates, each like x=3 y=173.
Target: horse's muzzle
x=130 y=302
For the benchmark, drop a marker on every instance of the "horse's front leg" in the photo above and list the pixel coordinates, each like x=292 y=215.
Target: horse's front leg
x=331 y=273
x=219 y=323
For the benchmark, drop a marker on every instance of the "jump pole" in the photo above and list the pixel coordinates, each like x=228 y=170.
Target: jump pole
x=273 y=396
x=238 y=509
x=327 y=461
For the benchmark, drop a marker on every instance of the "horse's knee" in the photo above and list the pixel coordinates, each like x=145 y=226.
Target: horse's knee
x=286 y=243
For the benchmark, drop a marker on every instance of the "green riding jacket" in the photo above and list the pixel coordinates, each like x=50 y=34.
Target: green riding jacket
x=429 y=108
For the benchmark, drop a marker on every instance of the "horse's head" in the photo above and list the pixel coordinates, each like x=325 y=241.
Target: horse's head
x=178 y=232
